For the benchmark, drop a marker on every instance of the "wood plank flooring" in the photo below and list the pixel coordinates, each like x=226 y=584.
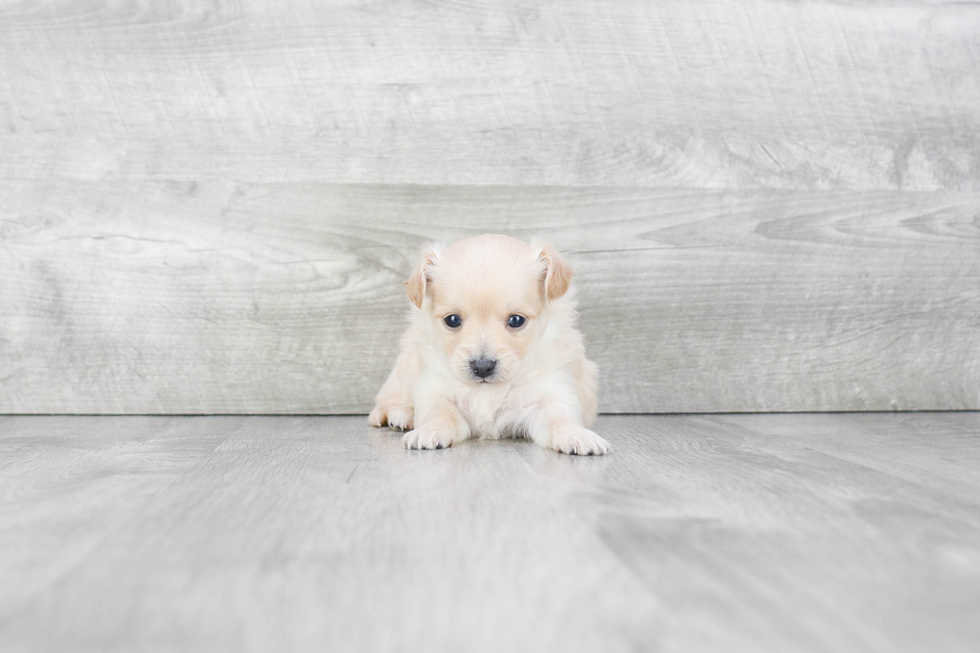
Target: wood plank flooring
x=805 y=532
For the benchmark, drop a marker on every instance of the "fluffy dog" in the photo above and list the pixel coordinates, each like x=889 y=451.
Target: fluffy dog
x=491 y=352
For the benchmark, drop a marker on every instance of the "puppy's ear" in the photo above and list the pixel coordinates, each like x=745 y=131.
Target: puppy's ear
x=421 y=277
x=557 y=273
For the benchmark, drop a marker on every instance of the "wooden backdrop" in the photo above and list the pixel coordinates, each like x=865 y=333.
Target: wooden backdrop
x=210 y=206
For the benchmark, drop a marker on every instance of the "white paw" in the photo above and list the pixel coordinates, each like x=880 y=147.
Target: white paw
x=579 y=441
x=428 y=437
x=401 y=418
x=398 y=418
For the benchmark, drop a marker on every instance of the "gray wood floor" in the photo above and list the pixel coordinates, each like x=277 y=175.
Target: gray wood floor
x=856 y=532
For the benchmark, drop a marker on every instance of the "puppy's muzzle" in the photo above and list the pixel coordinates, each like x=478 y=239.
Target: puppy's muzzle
x=482 y=367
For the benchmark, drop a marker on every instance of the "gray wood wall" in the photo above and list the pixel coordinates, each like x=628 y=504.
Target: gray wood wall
x=210 y=206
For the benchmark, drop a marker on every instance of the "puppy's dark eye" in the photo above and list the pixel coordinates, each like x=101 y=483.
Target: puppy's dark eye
x=516 y=321
x=453 y=321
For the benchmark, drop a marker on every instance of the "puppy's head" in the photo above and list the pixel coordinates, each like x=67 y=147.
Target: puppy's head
x=486 y=300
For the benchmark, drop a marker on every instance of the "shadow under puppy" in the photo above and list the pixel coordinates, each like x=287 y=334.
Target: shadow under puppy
x=492 y=351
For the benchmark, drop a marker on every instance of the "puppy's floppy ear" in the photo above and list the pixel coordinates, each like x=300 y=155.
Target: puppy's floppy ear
x=421 y=277
x=557 y=274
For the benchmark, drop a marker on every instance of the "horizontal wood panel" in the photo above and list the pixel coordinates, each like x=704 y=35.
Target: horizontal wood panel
x=732 y=94
x=135 y=297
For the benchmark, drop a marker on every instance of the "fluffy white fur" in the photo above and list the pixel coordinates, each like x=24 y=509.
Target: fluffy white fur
x=542 y=386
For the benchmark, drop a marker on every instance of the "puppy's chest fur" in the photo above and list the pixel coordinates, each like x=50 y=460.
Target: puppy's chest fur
x=493 y=412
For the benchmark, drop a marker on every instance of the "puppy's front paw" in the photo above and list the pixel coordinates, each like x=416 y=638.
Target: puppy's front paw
x=429 y=437
x=580 y=441
x=399 y=418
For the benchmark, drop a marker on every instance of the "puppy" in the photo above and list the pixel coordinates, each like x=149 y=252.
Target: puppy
x=491 y=352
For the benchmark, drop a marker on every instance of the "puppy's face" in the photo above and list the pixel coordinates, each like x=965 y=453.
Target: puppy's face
x=486 y=299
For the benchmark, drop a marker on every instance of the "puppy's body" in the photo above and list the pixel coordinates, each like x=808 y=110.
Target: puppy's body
x=492 y=352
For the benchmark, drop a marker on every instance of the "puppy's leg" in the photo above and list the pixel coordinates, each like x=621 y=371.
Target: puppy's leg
x=393 y=405
x=440 y=426
x=559 y=427
x=586 y=373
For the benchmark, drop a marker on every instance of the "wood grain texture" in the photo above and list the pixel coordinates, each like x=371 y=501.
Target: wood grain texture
x=77 y=481
x=289 y=298
x=737 y=533
x=210 y=207
x=731 y=94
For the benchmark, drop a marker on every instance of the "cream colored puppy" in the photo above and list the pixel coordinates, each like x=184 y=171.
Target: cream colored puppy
x=491 y=352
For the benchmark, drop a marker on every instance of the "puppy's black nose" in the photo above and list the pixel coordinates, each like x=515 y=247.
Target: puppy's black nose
x=483 y=367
